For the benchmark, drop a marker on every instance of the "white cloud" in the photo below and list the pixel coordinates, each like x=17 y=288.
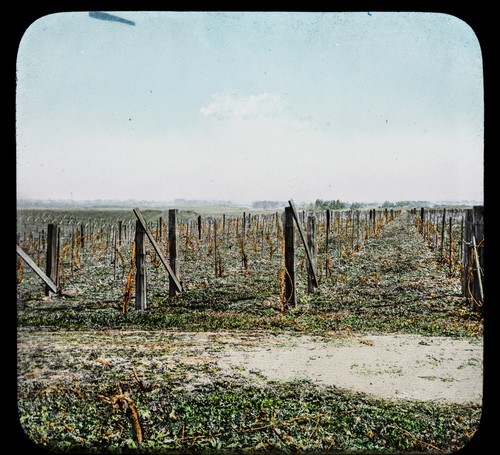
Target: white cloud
x=232 y=105
x=266 y=106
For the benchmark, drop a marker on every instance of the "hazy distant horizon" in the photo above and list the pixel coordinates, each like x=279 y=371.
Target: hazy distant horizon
x=193 y=202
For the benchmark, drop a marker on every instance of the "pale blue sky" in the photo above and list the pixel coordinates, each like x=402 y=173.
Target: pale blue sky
x=250 y=106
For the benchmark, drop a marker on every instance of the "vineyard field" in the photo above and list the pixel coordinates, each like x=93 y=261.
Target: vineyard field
x=187 y=370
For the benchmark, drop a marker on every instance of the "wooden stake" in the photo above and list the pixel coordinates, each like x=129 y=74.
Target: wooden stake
x=290 y=293
x=171 y=273
x=442 y=234
x=327 y=260
x=172 y=240
x=52 y=257
x=50 y=284
x=304 y=242
x=311 y=243
x=215 y=248
x=140 y=264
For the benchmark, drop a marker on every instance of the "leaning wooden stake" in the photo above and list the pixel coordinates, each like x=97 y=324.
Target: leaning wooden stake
x=478 y=269
x=50 y=284
x=172 y=241
x=478 y=228
x=311 y=243
x=308 y=252
x=171 y=273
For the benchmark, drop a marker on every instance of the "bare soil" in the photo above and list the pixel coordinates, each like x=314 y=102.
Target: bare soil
x=437 y=369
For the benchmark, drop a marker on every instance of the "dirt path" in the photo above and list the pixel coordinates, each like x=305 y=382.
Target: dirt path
x=388 y=366
x=437 y=369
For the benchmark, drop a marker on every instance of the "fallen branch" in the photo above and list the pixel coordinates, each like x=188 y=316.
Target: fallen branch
x=125 y=401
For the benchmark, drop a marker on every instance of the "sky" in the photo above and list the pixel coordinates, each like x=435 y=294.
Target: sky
x=247 y=106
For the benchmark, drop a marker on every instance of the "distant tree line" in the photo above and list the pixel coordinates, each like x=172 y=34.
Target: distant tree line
x=320 y=204
x=268 y=204
x=389 y=204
